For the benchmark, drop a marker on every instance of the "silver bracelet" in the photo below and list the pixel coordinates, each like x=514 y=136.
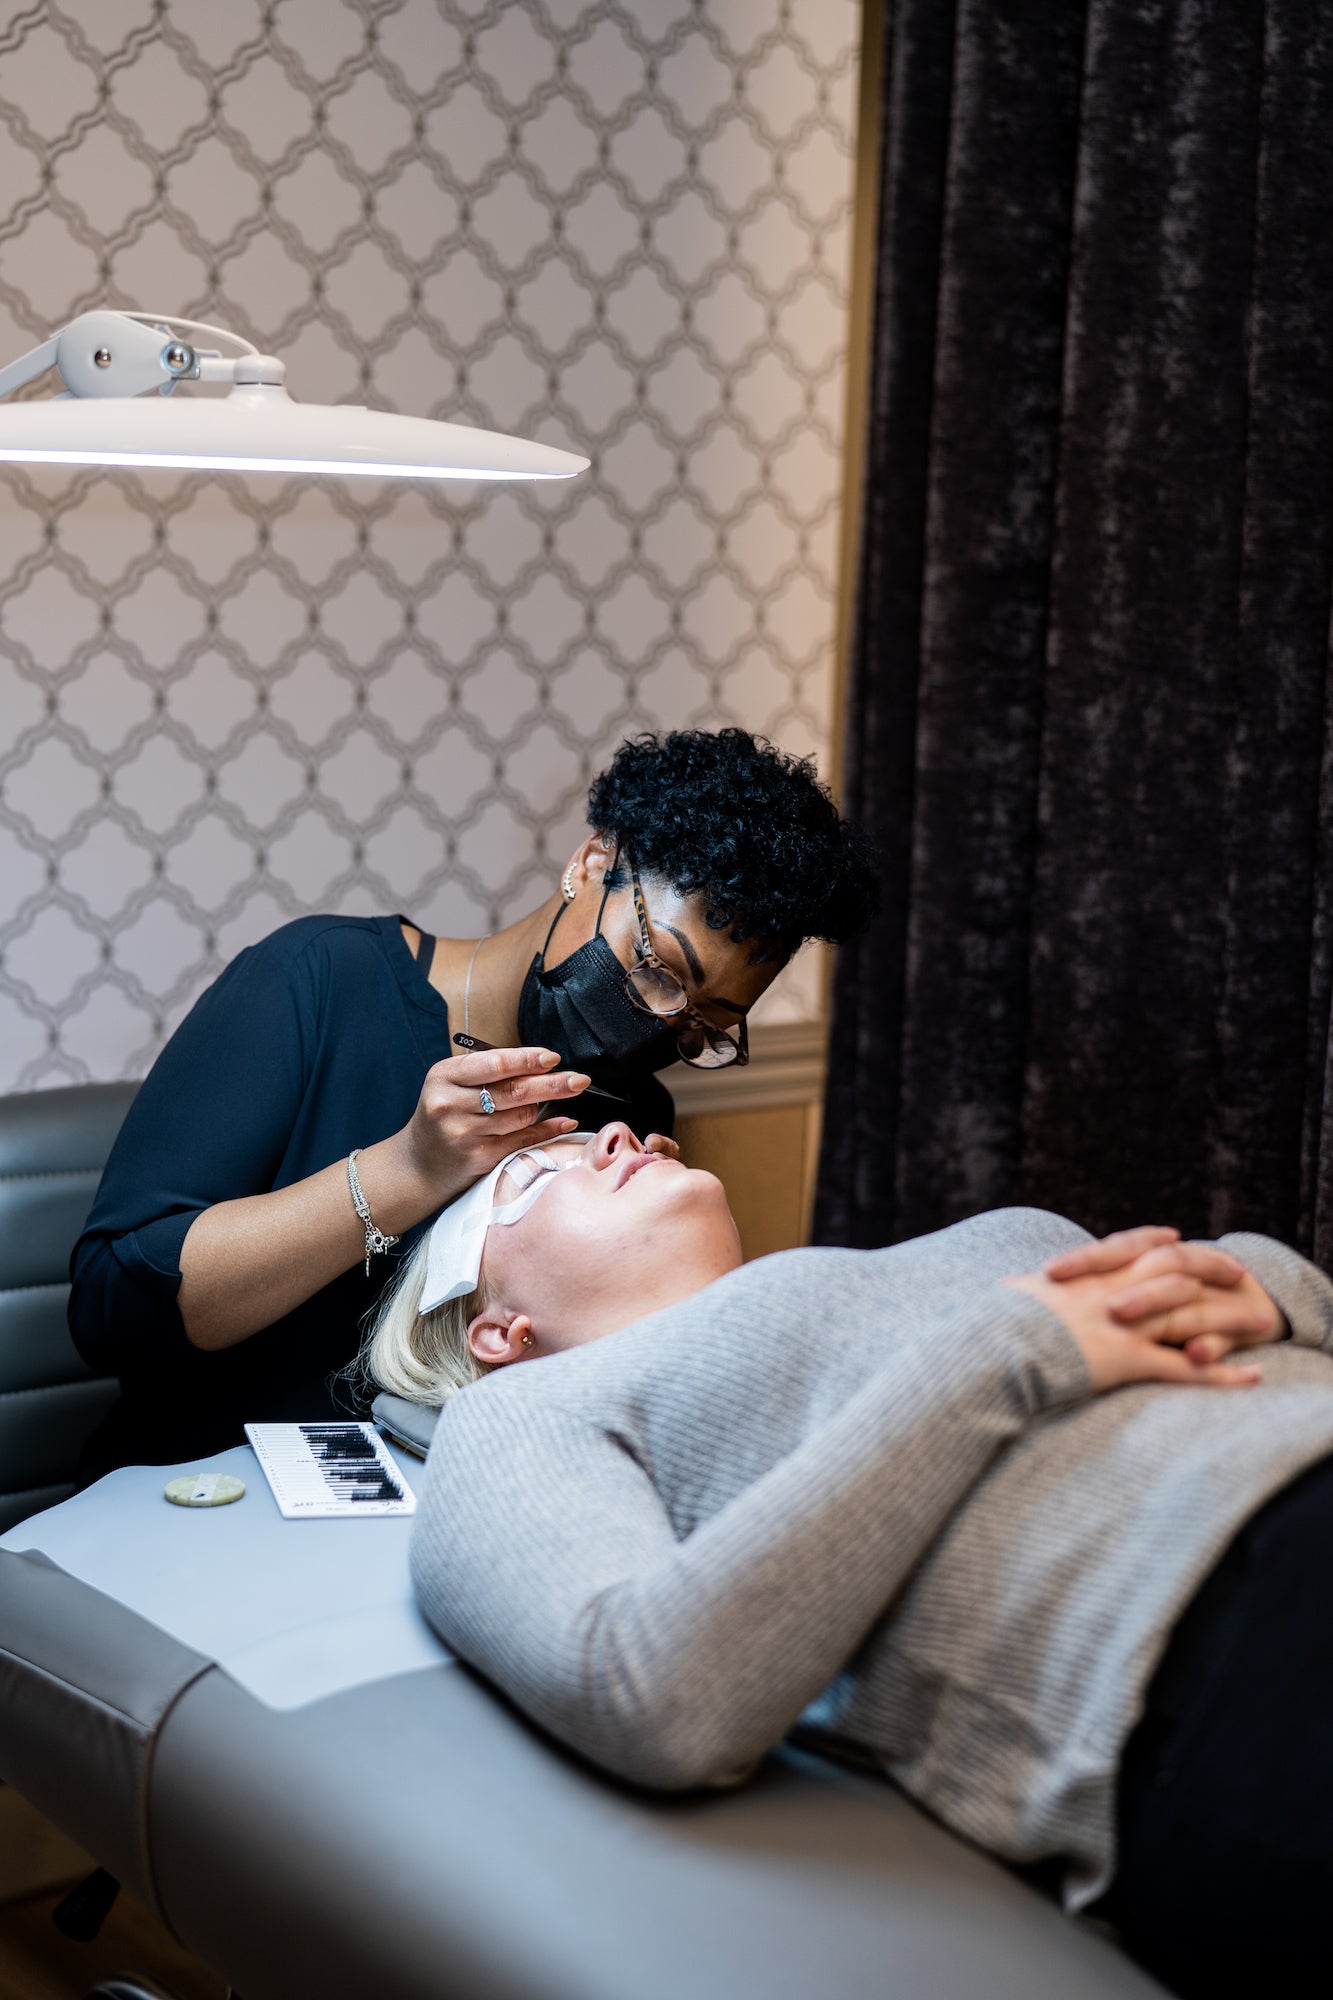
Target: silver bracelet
x=376 y=1240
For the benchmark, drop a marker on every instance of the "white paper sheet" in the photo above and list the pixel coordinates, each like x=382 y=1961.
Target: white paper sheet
x=329 y=1471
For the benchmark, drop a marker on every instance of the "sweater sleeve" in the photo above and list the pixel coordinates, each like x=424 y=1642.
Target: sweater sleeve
x=1297 y=1286
x=211 y=1121
x=545 y=1556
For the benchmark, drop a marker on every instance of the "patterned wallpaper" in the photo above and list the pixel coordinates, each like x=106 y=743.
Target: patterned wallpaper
x=621 y=228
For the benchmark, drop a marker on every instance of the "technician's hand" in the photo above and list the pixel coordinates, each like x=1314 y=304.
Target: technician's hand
x=1193 y=1295
x=1117 y=1351
x=451 y=1139
x=657 y=1142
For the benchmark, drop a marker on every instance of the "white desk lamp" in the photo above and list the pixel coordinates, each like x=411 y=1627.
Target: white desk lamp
x=109 y=361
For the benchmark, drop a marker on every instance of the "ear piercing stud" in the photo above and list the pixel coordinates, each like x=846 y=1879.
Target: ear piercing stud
x=567 y=883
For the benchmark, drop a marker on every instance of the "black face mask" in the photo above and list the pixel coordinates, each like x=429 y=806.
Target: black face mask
x=582 y=1011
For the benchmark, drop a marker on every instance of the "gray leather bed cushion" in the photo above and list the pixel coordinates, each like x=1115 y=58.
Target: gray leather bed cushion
x=40 y=1217
x=411 y=1425
x=408 y=1834
x=84 y=1687
x=41 y=1430
x=35 y=1347
x=51 y=1131
x=416 y=1838
x=294 y=1610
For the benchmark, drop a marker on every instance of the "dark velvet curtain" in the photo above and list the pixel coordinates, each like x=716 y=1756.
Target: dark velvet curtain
x=1089 y=703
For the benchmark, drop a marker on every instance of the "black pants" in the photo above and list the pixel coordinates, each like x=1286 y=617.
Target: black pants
x=1225 y=1811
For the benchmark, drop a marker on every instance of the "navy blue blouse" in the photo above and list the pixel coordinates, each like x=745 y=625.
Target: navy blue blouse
x=312 y=1042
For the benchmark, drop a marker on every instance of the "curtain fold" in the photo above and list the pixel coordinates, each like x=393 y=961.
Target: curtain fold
x=1087 y=702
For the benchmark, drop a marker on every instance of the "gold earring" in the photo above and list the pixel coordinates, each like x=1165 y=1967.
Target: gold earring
x=526 y=1340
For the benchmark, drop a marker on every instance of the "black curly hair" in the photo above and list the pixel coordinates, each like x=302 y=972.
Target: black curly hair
x=728 y=817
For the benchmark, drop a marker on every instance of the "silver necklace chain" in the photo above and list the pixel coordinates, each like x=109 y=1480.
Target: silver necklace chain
x=467 y=985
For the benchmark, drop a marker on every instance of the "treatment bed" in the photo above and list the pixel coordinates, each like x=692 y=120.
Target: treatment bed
x=245 y=1721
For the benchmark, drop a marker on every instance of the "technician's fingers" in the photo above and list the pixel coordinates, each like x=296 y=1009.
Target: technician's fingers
x=657 y=1142
x=1110 y=1252
x=491 y=1066
x=508 y=1095
x=512 y=1077
x=506 y=1120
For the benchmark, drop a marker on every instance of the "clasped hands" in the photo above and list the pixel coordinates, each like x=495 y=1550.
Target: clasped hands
x=1145 y=1307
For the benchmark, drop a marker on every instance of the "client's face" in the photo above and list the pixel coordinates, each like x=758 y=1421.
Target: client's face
x=619 y=1234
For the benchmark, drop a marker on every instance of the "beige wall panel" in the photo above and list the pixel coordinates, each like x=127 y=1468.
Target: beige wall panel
x=762 y=1159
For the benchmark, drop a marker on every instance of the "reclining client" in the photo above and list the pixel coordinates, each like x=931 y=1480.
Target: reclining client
x=313 y=1110
x=989 y=1509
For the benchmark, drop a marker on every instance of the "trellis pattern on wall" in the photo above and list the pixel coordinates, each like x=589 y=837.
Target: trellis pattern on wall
x=621 y=228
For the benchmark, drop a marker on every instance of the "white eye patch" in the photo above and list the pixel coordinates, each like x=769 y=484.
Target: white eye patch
x=458 y=1234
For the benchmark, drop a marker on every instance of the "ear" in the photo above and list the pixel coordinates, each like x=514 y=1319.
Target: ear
x=590 y=862
x=496 y=1337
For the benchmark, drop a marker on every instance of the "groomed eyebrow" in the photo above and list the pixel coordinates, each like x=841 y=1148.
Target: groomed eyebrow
x=697 y=971
x=691 y=955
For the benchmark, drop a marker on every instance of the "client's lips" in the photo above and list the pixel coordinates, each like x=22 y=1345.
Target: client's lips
x=632 y=1165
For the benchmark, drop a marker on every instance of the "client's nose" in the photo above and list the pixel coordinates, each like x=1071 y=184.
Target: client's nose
x=612 y=1143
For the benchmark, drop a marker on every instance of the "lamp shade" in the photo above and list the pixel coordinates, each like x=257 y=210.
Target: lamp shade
x=257 y=427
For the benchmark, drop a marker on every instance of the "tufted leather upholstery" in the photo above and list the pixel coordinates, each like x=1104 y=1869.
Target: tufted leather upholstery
x=53 y=1146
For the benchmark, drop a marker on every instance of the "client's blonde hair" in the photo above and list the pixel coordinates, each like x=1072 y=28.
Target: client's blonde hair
x=423 y=1357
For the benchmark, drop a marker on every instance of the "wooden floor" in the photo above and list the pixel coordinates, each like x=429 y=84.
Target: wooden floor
x=37 y=1866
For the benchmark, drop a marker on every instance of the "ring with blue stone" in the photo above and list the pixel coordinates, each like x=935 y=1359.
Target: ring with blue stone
x=487 y=1101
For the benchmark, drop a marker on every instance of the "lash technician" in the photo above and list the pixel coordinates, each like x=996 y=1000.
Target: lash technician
x=312 y=1110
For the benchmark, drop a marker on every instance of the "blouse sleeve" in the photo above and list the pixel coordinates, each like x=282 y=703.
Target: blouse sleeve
x=1298 y=1287
x=212 y=1120
x=543 y=1553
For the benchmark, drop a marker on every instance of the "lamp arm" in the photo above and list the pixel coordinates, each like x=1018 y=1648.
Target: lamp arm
x=132 y=353
x=172 y=323
x=112 y=354
x=17 y=374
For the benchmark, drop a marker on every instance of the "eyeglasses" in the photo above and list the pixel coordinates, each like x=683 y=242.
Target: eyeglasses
x=655 y=989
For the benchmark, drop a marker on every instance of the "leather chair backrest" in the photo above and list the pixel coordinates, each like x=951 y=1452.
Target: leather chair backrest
x=53 y=1146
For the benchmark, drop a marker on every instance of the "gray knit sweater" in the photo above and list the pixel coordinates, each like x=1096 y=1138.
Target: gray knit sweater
x=868 y=1491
